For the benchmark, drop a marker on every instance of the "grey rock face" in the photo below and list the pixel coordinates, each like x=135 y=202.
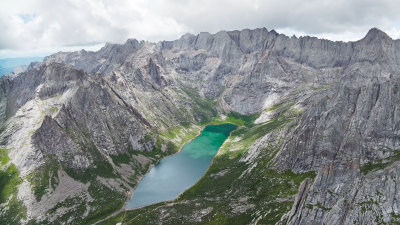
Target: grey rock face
x=59 y=118
x=350 y=127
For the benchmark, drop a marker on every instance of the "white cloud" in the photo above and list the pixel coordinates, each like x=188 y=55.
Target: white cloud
x=45 y=51
x=46 y=26
x=43 y=25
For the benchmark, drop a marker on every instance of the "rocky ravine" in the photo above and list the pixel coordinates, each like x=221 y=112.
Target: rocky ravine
x=318 y=142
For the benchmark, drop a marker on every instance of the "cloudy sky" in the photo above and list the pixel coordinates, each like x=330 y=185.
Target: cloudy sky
x=41 y=27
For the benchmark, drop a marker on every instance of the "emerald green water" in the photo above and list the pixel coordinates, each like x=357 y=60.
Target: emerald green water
x=178 y=172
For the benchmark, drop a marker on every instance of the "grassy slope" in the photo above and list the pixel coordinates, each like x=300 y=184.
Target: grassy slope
x=258 y=190
x=9 y=182
x=107 y=201
x=230 y=192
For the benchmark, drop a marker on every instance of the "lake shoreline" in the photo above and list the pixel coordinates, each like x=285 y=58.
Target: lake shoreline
x=181 y=171
x=130 y=193
x=155 y=164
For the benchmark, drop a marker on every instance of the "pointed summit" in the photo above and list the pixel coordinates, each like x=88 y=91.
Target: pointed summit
x=376 y=34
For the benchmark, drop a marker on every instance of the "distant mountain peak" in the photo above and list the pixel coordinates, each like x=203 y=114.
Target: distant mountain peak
x=375 y=33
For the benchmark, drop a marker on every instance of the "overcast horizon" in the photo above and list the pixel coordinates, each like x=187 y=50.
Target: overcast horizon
x=42 y=27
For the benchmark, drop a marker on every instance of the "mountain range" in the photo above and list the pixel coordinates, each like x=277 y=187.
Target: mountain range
x=317 y=143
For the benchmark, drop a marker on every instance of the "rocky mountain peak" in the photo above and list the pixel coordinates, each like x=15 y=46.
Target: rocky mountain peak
x=376 y=34
x=134 y=42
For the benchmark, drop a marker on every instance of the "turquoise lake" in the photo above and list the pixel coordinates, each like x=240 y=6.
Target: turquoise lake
x=176 y=173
